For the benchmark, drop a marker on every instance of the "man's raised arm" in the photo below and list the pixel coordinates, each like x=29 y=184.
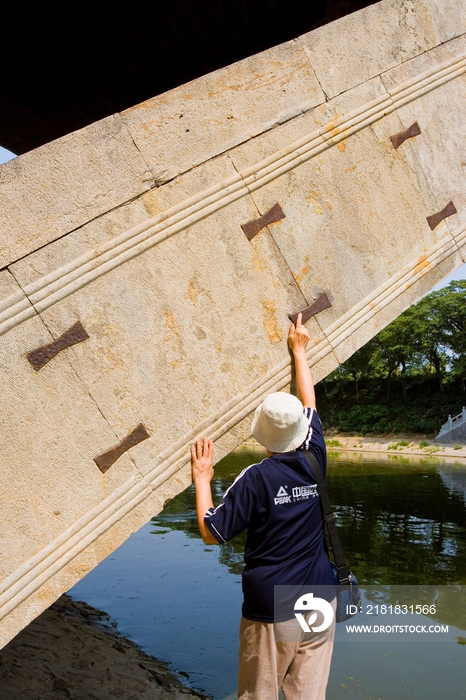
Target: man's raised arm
x=298 y=338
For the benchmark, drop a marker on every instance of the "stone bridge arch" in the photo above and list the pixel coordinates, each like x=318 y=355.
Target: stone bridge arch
x=150 y=263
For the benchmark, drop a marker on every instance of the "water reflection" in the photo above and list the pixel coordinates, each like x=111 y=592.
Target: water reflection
x=400 y=522
x=454 y=480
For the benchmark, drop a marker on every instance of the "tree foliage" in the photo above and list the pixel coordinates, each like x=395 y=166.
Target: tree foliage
x=424 y=347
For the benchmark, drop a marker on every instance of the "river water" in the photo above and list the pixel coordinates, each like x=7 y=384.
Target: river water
x=401 y=521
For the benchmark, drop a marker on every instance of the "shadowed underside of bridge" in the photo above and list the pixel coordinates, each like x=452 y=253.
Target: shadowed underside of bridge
x=75 y=68
x=138 y=311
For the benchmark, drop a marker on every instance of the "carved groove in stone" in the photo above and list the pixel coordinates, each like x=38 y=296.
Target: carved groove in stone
x=39 y=357
x=402 y=136
x=435 y=219
x=321 y=303
x=57 y=285
x=105 y=460
x=252 y=228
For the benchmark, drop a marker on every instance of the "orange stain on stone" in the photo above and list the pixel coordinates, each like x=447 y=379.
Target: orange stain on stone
x=270 y=322
x=300 y=275
x=423 y=264
x=169 y=319
x=191 y=291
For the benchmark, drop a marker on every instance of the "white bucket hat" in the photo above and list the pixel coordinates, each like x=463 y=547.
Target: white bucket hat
x=279 y=423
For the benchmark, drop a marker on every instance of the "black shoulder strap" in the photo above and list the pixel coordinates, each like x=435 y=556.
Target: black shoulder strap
x=329 y=518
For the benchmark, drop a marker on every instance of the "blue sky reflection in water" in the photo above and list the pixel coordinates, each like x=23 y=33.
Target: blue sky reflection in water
x=401 y=522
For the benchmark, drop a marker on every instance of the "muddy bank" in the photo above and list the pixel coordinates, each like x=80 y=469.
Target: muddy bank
x=73 y=651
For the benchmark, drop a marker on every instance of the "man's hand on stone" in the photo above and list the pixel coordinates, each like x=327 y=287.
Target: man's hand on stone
x=298 y=337
x=202 y=454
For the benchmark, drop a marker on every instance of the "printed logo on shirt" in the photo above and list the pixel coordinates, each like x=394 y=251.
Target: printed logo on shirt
x=282 y=496
x=301 y=493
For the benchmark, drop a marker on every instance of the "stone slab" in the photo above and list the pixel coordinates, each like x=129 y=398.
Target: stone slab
x=50 y=431
x=162 y=324
x=449 y=17
x=197 y=121
x=48 y=192
x=187 y=319
x=349 y=198
x=364 y=44
x=440 y=149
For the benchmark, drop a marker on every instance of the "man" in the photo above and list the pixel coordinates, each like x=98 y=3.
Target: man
x=277 y=500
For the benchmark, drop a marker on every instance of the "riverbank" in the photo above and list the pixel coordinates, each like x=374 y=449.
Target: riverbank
x=74 y=651
x=392 y=444
x=395 y=444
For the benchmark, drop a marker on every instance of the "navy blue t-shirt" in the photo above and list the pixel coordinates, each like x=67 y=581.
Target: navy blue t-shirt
x=278 y=501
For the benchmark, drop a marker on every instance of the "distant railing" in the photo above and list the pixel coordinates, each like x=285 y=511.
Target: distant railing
x=453 y=422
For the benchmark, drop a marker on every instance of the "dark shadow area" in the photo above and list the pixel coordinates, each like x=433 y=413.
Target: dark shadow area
x=65 y=68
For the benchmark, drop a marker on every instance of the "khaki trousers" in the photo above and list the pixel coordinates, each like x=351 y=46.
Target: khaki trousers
x=300 y=668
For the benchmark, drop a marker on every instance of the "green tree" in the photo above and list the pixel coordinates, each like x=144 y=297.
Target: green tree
x=429 y=336
x=438 y=324
x=397 y=349
x=358 y=366
x=422 y=353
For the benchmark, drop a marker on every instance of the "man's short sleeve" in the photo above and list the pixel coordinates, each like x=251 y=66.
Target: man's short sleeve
x=233 y=515
x=314 y=441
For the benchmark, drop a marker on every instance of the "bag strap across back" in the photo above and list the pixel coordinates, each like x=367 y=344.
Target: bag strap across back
x=329 y=518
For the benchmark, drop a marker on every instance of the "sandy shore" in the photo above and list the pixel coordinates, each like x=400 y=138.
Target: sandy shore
x=73 y=651
x=416 y=445
x=395 y=444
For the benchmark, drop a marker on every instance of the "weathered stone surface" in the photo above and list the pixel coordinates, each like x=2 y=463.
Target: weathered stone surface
x=50 y=429
x=349 y=199
x=166 y=322
x=362 y=45
x=459 y=235
x=62 y=185
x=441 y=149
x=449 y=17
x=202 y=119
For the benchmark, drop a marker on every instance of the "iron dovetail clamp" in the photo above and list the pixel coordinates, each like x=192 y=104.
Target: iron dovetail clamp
x=253 y=227
x=402 y=136
x=434 y=219
x=39 y=357
x=106 y=459
x=322 y=302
